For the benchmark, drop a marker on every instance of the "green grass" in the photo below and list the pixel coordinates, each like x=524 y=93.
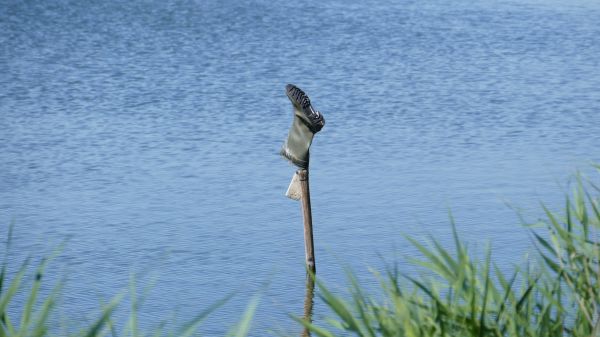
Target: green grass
x=458 y=294
x=554 y=294
x=36 y=312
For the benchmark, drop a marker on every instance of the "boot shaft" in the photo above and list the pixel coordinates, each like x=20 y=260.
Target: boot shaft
x=307 y=121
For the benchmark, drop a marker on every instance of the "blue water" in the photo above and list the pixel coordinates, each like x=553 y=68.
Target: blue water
x=147 y=133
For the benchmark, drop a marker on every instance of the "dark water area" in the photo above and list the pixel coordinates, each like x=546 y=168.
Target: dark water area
x=147 y=133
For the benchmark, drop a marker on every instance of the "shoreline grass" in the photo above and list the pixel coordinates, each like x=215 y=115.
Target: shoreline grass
x=459 y=294
x=556 y=294
x=36 y=311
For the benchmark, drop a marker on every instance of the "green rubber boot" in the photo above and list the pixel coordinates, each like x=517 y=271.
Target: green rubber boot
x=307 y=122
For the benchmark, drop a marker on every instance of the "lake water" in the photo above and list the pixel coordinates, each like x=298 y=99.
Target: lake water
x=147 y=133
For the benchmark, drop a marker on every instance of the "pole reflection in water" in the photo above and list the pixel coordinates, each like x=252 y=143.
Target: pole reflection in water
x=308 y=303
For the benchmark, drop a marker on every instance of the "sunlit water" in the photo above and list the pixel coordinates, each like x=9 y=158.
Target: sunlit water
x=147 y=134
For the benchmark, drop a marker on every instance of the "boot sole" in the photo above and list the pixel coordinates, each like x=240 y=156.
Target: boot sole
x=301 y=101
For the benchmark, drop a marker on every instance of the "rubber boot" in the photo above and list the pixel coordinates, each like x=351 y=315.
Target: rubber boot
x=307 y=122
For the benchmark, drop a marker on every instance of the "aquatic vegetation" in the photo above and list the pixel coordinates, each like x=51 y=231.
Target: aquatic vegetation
x=555 y=294
x=36 y=318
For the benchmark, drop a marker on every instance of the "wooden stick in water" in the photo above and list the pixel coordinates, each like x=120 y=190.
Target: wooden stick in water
x=308 y=302
x=307 y=215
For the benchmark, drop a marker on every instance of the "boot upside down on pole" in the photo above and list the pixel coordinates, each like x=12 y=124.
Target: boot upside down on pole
x=307 y=122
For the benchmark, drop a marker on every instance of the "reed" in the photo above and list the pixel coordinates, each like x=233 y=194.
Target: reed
x=459 y=294
x=36 y=319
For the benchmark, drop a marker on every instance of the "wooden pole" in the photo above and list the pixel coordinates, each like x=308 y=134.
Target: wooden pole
x=307 y=215
x=308 y=302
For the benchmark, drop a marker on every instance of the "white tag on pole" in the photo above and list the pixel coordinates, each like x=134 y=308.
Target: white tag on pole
x=294 y=191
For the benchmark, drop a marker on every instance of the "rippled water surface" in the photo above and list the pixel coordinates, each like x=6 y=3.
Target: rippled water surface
x=147 y=133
